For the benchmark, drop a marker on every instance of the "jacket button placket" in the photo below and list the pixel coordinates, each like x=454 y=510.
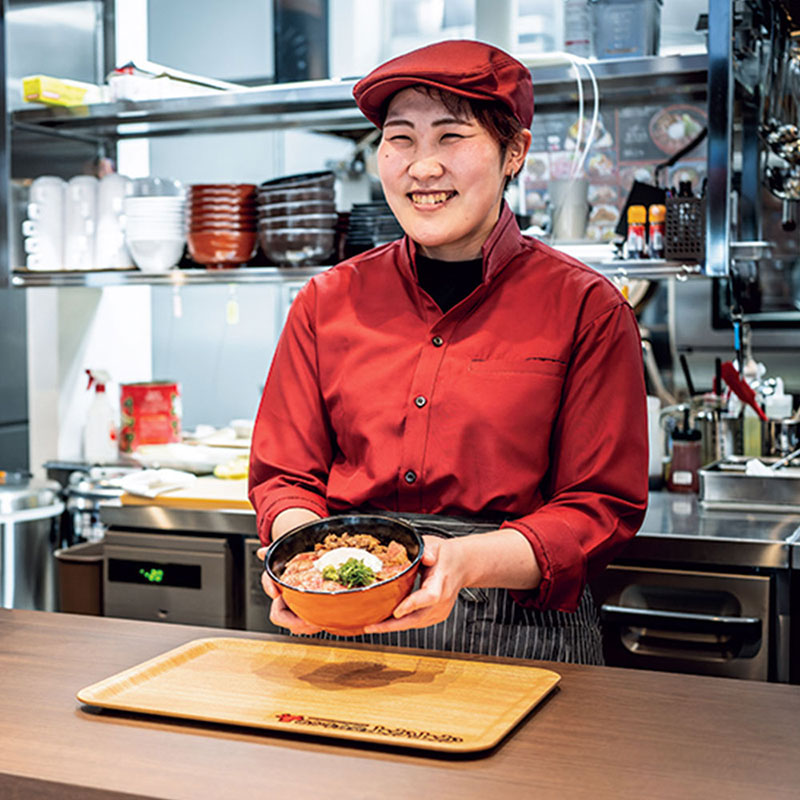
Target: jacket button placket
x=416 y=427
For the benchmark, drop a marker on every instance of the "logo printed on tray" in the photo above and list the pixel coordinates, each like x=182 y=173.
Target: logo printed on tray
x=367 y=727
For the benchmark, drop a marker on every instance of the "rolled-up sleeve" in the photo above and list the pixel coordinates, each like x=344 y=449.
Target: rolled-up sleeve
x=292 y=438
x=596 y=487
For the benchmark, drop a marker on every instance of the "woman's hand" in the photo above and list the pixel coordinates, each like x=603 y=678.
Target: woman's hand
x=280 y=614
x=443 y=574
x=501 y=558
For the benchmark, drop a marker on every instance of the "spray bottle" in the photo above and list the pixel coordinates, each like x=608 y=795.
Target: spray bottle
x=100 y=432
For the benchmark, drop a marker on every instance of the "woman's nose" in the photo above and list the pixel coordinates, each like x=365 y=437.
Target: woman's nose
x=425 y=168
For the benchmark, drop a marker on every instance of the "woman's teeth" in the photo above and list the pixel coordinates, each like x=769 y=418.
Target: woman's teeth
x=430 y=198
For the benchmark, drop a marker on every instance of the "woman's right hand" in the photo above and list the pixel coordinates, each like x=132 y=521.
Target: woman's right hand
x=280 y=614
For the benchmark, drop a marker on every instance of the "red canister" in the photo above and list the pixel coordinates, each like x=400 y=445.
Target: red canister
x=150 y=413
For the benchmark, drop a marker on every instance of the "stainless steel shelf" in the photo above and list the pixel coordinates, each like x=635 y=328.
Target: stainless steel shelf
x=326 y=105
x=598 y=257
x=652 y=270
x=174 y=277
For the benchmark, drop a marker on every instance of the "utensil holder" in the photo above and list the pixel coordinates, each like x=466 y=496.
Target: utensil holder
x=685 y=229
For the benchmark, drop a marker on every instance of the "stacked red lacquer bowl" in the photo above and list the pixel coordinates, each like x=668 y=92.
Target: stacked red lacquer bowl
x=221 y=224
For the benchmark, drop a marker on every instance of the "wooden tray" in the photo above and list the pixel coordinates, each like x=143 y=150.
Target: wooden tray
x=385 y=697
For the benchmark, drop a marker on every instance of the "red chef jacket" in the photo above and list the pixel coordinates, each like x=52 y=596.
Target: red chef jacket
x=526 y=399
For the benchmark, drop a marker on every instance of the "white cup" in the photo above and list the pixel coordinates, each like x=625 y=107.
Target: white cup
x=110 y=250
x=80 y=220
x=47 y=189
x=46 y=220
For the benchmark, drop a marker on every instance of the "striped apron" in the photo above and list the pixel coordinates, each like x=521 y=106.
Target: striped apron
x=488 y=622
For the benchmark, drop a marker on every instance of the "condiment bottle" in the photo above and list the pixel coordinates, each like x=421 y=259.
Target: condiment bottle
x=656 y=215
x=686 y=457
x=637 y=217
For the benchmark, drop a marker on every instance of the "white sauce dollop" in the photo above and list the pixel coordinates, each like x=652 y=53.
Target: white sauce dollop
x=335 y=558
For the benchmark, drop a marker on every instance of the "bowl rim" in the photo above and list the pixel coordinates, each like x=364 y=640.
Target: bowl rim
x=382 y=518
x=318 y=176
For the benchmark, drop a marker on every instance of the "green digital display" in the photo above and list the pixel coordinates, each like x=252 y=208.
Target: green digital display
x=152 y=575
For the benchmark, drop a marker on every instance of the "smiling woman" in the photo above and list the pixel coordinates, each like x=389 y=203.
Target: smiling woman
x=443 y=174
x=478 y=384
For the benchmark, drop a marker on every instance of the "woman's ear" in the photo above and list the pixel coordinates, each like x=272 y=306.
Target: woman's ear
x=516 y=152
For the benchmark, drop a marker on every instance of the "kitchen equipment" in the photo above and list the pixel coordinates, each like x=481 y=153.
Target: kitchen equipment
x=154 y=226
x=221 y=223
x=685 y=228
x=741 y=389
x=29 y=533
x=256 y=602
x=625 y=28
x=702 y=589
x=297 y=247
x=449 y=705
x=655 y=466
x=725 y=485
x=686 y=621
x=686 y=458
x=170 y=578
x=780 y=437
x=45 y=223
x=80 y=222
x=80 y=578
x=570 y=208
x=786 y=460
x=84 y=492
x=109 y=243
x=347 y=611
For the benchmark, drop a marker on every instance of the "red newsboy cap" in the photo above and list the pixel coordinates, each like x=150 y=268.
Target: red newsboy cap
x=468 y=68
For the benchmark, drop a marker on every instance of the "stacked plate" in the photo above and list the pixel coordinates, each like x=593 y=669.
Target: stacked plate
x=297 y=219
x=154 y=223
x=221 y=224
x=370 y=225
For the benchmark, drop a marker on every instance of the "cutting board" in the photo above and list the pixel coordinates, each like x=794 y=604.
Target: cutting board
x=206 y=492
x=390 y=697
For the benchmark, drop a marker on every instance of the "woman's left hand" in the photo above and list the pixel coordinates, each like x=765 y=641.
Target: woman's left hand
x=280 y=614
x=442 y=577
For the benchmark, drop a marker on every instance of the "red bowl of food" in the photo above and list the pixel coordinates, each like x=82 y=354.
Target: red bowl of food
x=221 y=249
x=345 y=572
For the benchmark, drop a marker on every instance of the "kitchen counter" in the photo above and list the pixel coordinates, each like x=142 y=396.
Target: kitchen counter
x=676 y=529
x=603 y=733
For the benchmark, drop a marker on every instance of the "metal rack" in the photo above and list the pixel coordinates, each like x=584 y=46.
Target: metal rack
x=325 y=106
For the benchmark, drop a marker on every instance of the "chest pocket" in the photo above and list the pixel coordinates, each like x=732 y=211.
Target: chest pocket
x=534 y=365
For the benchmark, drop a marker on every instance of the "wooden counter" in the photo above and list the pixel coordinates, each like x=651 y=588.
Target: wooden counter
x=603 y=733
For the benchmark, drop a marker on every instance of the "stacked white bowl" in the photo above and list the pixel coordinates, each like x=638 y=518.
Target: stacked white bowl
x=155 y=223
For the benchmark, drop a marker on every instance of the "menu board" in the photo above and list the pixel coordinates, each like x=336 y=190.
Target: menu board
x=628 y=144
